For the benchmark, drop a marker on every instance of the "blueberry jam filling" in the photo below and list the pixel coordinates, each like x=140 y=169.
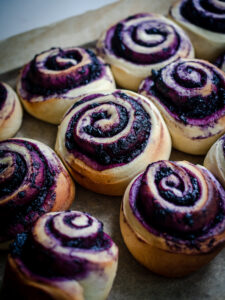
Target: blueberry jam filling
x=200 y=17
x=96 y=241
x=52 y=63
x=197 y=107
x=47 y=86
x=121 y=50
x=34 y=255
x=126 y=148
x=161 y=216
x=3 y=95
x=97 y=132
x=188 y=199
x=13 y=182
x=15 y=220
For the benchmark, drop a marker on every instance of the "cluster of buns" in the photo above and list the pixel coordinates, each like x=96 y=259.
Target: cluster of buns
x=117 y=142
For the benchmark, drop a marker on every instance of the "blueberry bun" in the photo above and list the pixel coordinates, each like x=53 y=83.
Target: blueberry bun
x=51 y=82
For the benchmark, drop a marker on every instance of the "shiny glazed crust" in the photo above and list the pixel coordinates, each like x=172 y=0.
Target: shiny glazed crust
x=143 y=39
x=189 y=94
x=116 y=135
x=52 y=81
x=11 y=112
x=215 y=160
x=33 y=181
x=173 y=250
x=83 y=260
x=208 y=44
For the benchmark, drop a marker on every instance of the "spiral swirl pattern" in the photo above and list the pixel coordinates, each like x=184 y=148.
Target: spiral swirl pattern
x=204 y=22
x=215 y=160
x=142 y=42
x=190 y=93
x=30 y=173
x=10 y=112
x=61 y=75
x=109 y=133
x=180 y=204
x=209 y=14
x=74 y=251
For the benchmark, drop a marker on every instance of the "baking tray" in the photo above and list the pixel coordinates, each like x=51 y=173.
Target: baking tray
x=133 y=281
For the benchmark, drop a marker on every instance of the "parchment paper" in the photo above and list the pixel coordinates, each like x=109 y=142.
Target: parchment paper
x=133 y=281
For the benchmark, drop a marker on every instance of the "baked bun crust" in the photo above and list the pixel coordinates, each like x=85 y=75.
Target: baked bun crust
x=204 y=22
x=143 y=42
x=52 y=81
x=172 y=217
x=106 y=139
x=33 y=181
x=190 y=95
x=11 y=112
x=215 y=160
x=66 y=256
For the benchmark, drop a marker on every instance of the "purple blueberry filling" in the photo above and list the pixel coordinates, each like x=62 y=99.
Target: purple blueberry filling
x=125 y=149
x=37 y=83
x=3 y=95
x=52 y=64
x=34 y=255
x=17 y=214
x=189 y=229
x=122 y=38
x=186 y=200
x=13 y=182
x=205 y=14
x=153 y=27
x=192 y=106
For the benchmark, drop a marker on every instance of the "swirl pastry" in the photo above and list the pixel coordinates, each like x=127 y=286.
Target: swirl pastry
x=215 y=160
x=204 y=22
x=173 y=217
x=10 y=112
x=66 y=256
x=106 y=139
x=33 y=181
x=220 y=62
x=190 y=93
x=52 y=81
x=140 y=43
